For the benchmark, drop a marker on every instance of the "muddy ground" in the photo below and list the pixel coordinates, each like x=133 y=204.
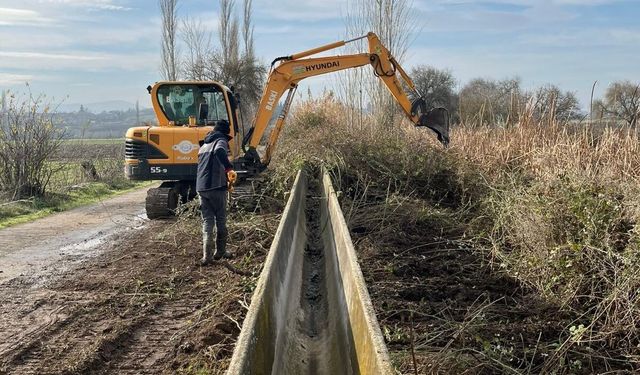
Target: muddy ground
x=140 y=303
x=66 y=238
x=445 y=306
x=141 y=306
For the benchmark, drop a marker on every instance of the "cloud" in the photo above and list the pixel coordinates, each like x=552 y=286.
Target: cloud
x=62 y=39
x=92 y=4
x=48 y=56
x=583 y=38
x=529 y=2
x=77 y=61
x=586 y=2
x=16 y=17
x=14 y=79
x=301 y=10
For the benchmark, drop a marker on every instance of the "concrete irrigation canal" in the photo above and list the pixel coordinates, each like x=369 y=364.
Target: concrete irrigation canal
x=311 y=312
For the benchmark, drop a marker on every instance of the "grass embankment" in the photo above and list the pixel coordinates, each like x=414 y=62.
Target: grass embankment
x=24 y=211
x=82 y=173
x=514 y=251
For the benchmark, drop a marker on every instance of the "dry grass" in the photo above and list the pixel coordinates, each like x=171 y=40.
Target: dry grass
x=564 y=209
x=543 y=217
x=547 y=152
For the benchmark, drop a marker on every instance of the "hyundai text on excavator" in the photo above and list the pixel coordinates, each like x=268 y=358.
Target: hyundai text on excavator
x=187 y=111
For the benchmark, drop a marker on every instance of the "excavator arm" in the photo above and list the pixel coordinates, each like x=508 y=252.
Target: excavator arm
x=290 y=70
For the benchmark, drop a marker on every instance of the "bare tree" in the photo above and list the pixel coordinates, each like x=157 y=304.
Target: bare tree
x=598 y=109
x=198 y=42
x=552 y=103
x=236 y=64
x=137 y=113
x=622 y=101
x=437 y=87
x=28 y=139
x=490 y=102
x=232 y=61
x=169 y=65
x=228 y=30
x=3 y=107
x=394 y=23
x=247 y=28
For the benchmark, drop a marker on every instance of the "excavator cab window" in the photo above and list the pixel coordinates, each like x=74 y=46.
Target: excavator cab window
x=180 y=101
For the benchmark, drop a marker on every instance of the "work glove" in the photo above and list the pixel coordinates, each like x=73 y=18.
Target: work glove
x=232 y=177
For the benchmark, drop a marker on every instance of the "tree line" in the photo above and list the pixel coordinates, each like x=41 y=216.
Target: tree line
x=494 y=102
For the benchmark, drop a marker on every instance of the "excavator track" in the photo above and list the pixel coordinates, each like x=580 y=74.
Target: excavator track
x=161 y=202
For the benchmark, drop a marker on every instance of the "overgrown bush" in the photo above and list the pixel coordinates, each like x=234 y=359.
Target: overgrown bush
x=29 y=137
x=395 y=159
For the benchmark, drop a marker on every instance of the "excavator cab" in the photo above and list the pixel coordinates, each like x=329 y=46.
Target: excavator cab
x=205 y=103
x=186 y=112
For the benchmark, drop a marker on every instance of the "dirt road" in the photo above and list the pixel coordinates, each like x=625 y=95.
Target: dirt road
x=52 y=244
x=102 y=299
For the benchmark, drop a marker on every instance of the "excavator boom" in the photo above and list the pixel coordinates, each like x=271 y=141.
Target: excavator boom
x=187 y=111
x=288 y=71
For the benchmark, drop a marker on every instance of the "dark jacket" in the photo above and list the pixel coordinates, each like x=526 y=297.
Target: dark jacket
x=213 y=162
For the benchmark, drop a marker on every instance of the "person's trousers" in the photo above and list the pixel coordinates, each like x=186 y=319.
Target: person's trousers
x=213 y=205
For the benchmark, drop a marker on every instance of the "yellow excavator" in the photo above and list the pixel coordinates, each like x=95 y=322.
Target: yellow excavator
x=187 y=111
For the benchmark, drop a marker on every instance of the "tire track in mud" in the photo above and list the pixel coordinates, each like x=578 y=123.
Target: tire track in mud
x=84 y=336
x=84 y=342
x=31 y=317
x=141 y=307
x=51 y=334
x=150 y=348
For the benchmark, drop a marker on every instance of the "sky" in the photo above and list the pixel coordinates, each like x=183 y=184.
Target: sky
x=84 y=51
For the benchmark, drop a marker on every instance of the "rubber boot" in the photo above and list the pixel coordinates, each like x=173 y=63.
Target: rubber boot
x=207 y=249
x=221 y=248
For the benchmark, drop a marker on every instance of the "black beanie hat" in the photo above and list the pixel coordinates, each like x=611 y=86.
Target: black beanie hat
x=222 y=126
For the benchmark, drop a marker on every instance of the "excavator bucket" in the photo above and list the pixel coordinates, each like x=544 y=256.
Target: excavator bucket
x=436 y=119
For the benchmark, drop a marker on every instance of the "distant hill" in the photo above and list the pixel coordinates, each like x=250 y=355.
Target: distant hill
x=99 y=107
x=104 y=124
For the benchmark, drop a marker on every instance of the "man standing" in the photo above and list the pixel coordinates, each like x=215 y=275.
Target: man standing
x=211 y=185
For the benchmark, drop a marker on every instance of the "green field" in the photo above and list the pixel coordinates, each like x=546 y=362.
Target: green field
x=96 y=141
x=71 y=184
